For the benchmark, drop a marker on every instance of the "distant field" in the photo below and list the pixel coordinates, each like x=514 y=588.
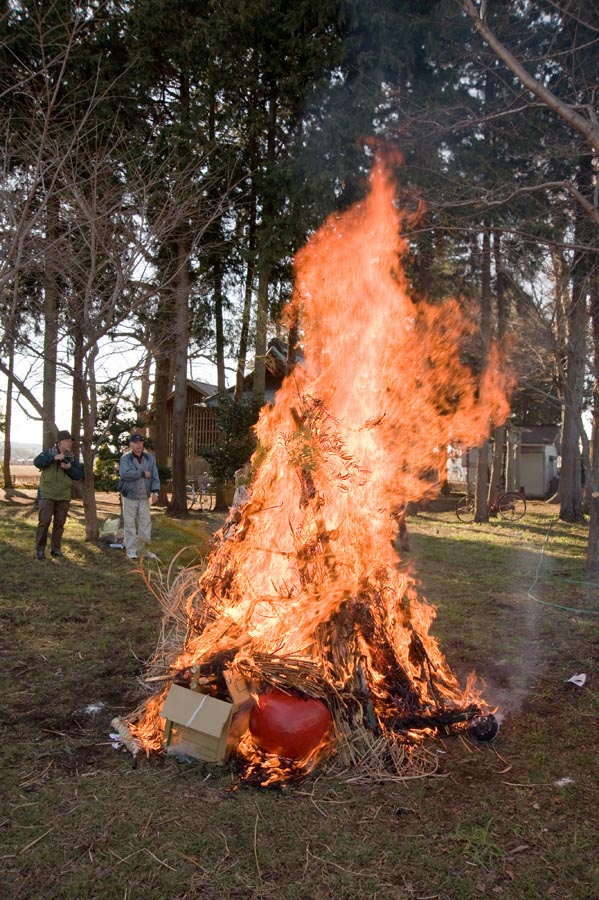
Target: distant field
x=23 y=475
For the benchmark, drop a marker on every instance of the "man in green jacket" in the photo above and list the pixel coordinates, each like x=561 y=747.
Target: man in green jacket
x=59 y=468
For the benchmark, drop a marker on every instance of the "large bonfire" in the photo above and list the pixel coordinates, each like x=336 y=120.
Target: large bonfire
x=305 y=597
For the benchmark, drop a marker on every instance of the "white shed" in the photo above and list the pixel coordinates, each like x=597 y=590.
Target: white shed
x=538 y=460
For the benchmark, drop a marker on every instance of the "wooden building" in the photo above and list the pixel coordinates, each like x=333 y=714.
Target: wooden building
x=203 y=399
x=201 y=426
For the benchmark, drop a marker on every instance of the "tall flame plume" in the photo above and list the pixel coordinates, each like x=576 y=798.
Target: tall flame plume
x=307 y=593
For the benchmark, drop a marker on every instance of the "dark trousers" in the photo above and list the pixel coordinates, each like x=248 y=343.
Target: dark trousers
x=51 y=510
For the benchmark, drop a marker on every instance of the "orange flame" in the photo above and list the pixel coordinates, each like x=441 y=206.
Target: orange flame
x=356 y=430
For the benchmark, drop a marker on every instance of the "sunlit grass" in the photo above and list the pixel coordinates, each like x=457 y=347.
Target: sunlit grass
x=79 y=822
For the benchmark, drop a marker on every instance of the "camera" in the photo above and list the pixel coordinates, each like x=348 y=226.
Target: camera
x=68 y=456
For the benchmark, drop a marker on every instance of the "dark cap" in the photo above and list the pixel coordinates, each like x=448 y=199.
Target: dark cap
x=136 y=437
x=64 y=436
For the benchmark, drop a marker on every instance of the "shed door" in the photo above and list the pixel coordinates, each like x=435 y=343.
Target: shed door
x=532 y=473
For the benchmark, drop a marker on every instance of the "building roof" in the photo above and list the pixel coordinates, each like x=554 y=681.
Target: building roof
x=202 y=387
x=539 y=434
x=277 y=367
x=272 y=385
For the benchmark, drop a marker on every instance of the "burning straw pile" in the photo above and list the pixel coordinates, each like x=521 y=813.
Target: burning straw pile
x=303 y=603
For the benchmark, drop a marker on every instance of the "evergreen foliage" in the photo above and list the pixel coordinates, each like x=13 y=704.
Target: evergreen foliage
x=118 y=417
x=237 y=441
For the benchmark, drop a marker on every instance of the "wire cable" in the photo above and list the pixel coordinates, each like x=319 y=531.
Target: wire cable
x=587 y=612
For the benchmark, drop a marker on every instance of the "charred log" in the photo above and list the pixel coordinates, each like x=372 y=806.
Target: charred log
x=440 y=720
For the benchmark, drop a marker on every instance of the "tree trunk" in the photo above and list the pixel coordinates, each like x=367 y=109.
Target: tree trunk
x=219 y=330
x=481 y=513
x=247 y=300
x=214 y=235
x=220 y=499
x=163 y=348
x=570 y=482
x=592 y=561
x=88 y=490
x=144 y=392
x=259 y=382
x=84 y=388
x=497 y=481
x=178 y=503
x=78 y=388
x=265 y=263
x=158 y=420
x=8 y=482
x=512 y=461
x=51 y=307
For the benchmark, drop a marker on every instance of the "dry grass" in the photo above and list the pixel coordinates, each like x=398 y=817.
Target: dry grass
x=516 y=819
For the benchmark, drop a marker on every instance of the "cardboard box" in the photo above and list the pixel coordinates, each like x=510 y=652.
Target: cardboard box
x=237 y=687
x=196 y=725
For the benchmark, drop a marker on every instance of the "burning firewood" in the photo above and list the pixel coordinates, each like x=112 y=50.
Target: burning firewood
x=303 y=596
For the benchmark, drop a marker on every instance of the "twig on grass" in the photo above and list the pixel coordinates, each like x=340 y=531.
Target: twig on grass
x=37 y=840
x=256 y=849
x=146 y=826
x=329 y=800
x=192 y=860
x=161 y=861
x=508 y=765
x=466 y=745
x=123 y=859
x=33 y=777
x=328 y=862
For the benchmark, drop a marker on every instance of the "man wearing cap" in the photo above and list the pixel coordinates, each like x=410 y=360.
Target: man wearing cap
x=138 y=482
x=59 y=467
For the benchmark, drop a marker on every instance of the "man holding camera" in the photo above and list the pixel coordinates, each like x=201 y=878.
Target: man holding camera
x=138 y=482
x=59 y=468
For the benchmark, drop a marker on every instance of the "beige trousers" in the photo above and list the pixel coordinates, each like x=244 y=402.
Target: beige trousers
x=137 y=522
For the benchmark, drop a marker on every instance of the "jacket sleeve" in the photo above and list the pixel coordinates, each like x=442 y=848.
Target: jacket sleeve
x=44 y=459
x=76 y=470
x=155 y=486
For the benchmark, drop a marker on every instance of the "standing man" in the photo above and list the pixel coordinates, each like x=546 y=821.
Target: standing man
x=138 y=481
x=59 y=468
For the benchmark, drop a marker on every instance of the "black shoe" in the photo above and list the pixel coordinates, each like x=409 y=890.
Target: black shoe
x=56 y=554
x=40 y=554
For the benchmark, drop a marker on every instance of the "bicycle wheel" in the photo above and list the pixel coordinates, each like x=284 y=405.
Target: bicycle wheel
x=511 y=506
x=206 y=498
x=465 y=509
x=192 y=496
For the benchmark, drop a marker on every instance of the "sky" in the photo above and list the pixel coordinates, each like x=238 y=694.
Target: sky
x=27 y=429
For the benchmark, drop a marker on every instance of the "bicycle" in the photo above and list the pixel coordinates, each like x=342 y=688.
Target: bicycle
x=200 y=494
x=510 y=505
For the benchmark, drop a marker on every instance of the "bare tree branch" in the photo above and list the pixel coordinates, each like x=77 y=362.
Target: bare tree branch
x=584 y=126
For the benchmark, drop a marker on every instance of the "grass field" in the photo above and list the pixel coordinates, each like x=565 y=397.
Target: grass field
x=24 y=476
x=514 y=819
